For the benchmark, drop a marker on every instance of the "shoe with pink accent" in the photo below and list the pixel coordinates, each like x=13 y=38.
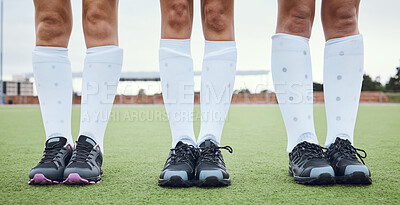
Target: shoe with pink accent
x=50 y=169
x=85 y=164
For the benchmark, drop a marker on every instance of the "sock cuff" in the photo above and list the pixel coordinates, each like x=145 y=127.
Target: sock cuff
x=343 y=39
x=349 y=45
x=104 y=54
x=220 y=50
x=174 y=48
x=290 y=37
x=287 y=42
x=180 y=45
x=213 y=46
x=46 y=54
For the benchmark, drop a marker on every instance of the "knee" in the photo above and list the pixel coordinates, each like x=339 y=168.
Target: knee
x=178 y=16
x=216 y=17
x=53 y=25
x=299 y=20
x=97 y=23
x=342 y=18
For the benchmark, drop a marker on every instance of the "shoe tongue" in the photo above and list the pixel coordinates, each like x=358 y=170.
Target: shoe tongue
x=56 y=142
x=179 y=144
x=207 y=144
x=343 y=140
x=86 y=140
x=339 y=142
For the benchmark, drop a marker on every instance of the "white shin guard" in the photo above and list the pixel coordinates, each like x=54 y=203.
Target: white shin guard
x=292 y=76
x=343 y=75
x=53 y=80
x=177 y=82
x=217 y=81
x=99 y=85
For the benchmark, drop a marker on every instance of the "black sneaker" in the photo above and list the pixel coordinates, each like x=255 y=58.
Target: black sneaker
x=85 y=164
x=343 y=158
x=56 y=155
x=179 y=168
x=309 y=166
x=210 y=168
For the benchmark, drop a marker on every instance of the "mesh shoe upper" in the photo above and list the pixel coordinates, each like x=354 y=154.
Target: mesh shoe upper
x=181 y=158
x=86 y=159
x=306 y=156
x=56 y=156
x=210 y=158
x=341 y=154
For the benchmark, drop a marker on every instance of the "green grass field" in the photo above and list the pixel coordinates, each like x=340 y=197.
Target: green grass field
x=138 y=140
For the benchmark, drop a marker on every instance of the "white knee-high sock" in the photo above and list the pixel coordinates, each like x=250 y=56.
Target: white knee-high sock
x=100 y=79
x=177 y=81
x=292 y=76
x=343 y=75
x=217 y=81
x=53 y=80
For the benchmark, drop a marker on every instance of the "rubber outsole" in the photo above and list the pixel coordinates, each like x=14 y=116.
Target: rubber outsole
x=75 y=179
x=355 y=178
x=322 y=179
x=40 y=179
x=213 y=181
x=175 y=181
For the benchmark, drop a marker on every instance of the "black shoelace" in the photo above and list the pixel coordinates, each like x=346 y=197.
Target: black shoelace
x=50 y=153
x=210 y=154
x=347 y=151
x=310 y=150
x=81 y=152
x=182 y=153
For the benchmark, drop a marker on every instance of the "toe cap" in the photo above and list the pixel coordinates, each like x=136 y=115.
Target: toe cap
x=169 y=174
x=49 y=173
x=211 y=173
x=83 y=173
x=350 y=169
x=315 y=172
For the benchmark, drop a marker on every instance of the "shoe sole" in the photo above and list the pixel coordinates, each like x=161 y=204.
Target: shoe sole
x=40 y=179
x=174 y=181
x=354 y=178
x=75 y=179
x=322 y=179
x=213 y=182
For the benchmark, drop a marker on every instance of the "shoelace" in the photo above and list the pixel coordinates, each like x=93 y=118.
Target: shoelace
x=210 y=153
x=81 y=152
x=346 y=150
x=50 y=153
x=310 y=150
x=180 y=154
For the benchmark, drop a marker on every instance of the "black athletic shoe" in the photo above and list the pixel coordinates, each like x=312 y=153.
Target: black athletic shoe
x=179 y=169
x=56 y=155
x=343 y=158
x=85 y=164
x=211 y=170
x=309 y=166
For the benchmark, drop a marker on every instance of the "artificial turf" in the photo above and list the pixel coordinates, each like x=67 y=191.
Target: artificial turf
x=137 y=143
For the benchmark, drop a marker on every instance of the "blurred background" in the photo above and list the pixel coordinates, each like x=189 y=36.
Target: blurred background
x=255 y=21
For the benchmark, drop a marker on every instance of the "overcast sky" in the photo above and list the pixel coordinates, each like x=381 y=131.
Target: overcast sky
x=255 y=21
